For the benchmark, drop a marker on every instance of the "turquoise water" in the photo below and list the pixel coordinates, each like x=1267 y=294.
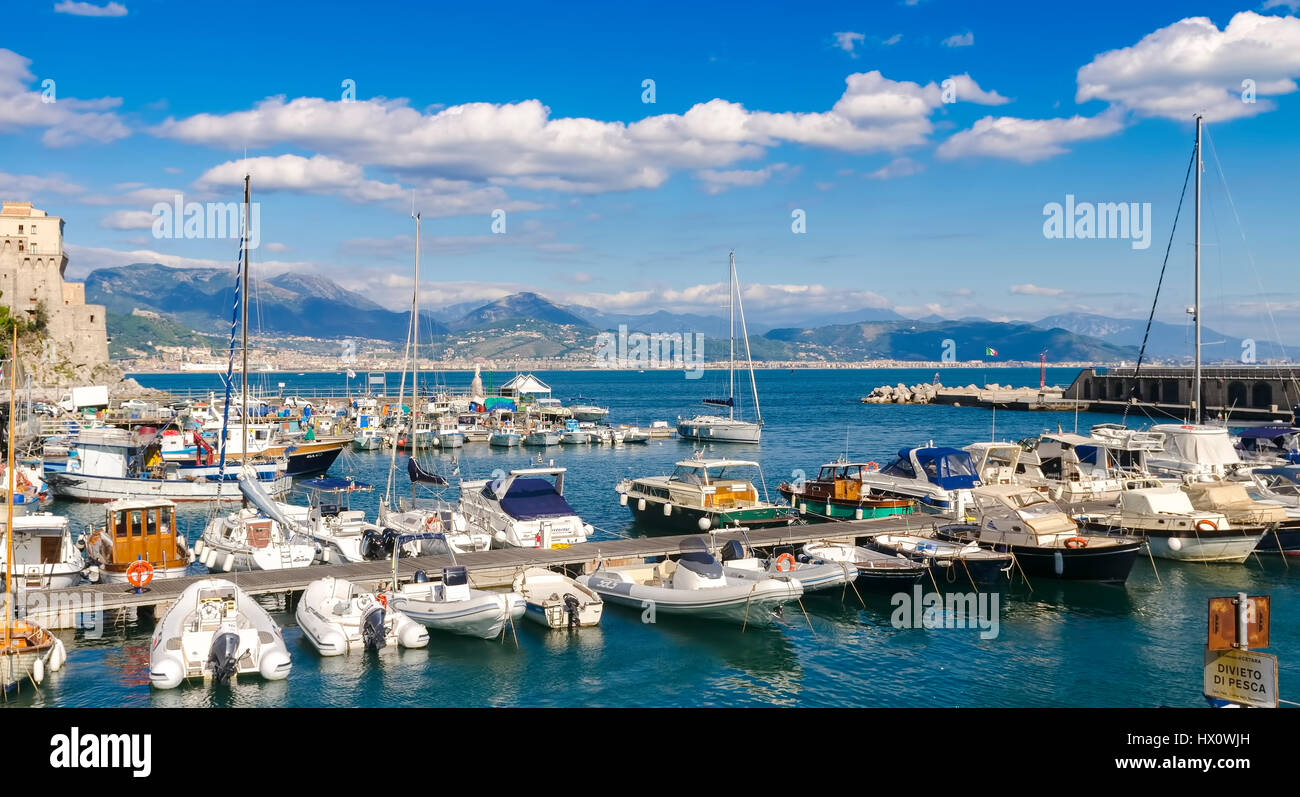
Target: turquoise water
x=1058 y=645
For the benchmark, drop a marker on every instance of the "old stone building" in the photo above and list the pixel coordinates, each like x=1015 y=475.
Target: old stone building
x=32 y=263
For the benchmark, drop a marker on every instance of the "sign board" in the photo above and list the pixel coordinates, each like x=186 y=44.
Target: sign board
x=1242 y=676
x=1223 y=622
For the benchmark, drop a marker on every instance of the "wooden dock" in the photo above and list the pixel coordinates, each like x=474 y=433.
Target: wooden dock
x=495 y=568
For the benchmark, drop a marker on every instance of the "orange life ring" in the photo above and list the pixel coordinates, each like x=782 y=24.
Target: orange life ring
x=786 y=559
x=140 y=573
x=1203 y=523
x=1076 y=542
x=433 y=520
x=873 y=466
x=383 y=599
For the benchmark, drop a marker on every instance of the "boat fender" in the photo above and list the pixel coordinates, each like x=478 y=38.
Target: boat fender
x=92 y=574
x=705 y=523
x=58 y=656
x=857 y=513
x=228 y=562
x=622 y=499
x=325 y=555
x=784 y=563
x=1058 y=562
x=1175 y=544
x=828 y=509
x=640 y=504
x=38 y=671
x=668 y=510
x=1206 y=525
x=803 y=508
x=209 y=555
x=198 y=547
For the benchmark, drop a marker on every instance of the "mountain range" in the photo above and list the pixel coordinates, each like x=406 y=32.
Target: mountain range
x=528 y=324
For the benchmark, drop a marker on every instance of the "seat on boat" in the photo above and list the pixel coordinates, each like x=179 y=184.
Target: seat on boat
x=701 y=563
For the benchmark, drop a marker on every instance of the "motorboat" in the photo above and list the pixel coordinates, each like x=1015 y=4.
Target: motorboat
x=504 y=437
x=938 y=479
x=877 y=570
x=368 y=438
x=216 y=632
x=448 y=434
x=44 y=553
x=31 y=490
x=337 y=617
x=586 y=410
x=256 y=537
x=1243 y=510
x=837 y=493
x=740 y=563
x=702 y=494
x=27 y=652
x=1044 y=539
x=138 y=531
x=1270 y=445
x=523 y=509
x=1076 y=468
x=1173 y=528
x=452 y=605
x=340 y=532
x=438 y=527
x=1278 y=485
x=556 y=601
x=635 y=434
x=542 y=436
x=950 y=562
x=1195 y=452
x=728 y=428
x=694 y=584
x=575 y=434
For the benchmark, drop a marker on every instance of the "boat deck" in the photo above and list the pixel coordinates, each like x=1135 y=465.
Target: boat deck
x=492 y=568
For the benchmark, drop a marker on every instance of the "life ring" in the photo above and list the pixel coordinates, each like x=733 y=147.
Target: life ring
x=787 y=559
x=1206 y=525
x=140 y=573
x=433 y=521
x=873 y=466
x=383 y=599
x=1076 y=542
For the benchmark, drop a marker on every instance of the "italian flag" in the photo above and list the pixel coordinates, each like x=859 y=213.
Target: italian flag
x=989 y=352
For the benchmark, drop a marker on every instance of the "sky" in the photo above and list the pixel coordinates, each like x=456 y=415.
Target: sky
x=901 y=155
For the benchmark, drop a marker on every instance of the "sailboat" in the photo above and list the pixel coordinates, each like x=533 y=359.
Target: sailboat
x=27 y=649
x=715 y=428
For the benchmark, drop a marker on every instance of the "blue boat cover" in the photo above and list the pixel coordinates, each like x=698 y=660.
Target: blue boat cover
x=1268 y=432
x=531 y=499
x=950 y=468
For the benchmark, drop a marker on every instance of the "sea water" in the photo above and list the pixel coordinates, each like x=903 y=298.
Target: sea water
x=1059 y=644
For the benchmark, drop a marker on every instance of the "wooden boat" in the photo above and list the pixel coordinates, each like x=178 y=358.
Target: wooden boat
x=886 y=572
x=838 y=494
x=702 y=494
x=138 y=531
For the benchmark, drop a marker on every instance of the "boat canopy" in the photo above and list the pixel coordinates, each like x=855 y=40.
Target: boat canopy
x=1156 y=501
x=529 y=498
x=1204 y=445
x=1269 y=433
x=949 y=468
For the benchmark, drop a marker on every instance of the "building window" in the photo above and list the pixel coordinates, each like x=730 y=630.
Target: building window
x=22 y=247
x=20 y=229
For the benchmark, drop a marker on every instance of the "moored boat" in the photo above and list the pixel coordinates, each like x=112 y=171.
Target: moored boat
x=949 y=562
x=877 y=570
x=702 y=494
x=337 y=617
x=452 y=605
x=837 y=493
x=138 y=531
x=556 y=601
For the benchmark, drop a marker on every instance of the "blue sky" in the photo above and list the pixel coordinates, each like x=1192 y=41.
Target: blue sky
x=838 y=110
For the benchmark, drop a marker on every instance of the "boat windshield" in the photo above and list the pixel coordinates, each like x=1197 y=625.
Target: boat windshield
x=706 y=475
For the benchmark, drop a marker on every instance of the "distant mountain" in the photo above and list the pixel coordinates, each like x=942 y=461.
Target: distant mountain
x=516 y=308
x=918 y=340
x=131 y=335
x=1167 y=341
x=291 y=304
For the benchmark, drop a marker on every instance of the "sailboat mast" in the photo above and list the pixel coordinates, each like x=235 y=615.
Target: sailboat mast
x=415 y=338
x=744 y=331
x=386 y=504
x=10 y=570
x=1197 y=413
x=731 y=337
x=243 y=319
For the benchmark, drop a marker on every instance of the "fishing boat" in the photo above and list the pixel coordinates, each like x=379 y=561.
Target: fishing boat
x=504 y=436
x=44 y=553
x=1172 y=527
x=729 y=429
x=587 y=410
x=31 y=490
x=1044 y=539
x=740 y=563
x=574 y=434
x=264 y=441
x=694 y=584
x=448 y=433
x=523 y=509
x=451 y=605
x=368 y=439
x=838 y=494
x=136 y=531
x=556 y=601
x=877 y=570
x=216 y=632
x=939 y=480
x=337 y=617
x=702 y=494
x=542 y=436
x=950 y=562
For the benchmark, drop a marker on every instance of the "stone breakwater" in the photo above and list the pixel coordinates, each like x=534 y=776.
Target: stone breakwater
x=972 y=395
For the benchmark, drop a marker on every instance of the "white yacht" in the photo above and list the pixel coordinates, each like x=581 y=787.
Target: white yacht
x=45 y=555
x=524 y=509
x=939 y=480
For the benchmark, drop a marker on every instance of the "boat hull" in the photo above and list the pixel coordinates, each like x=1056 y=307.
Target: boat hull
x=719 y=433
x=747 y=603
x=822 y=509
x=1189 y=545
x=685 y=518
x=102 y=489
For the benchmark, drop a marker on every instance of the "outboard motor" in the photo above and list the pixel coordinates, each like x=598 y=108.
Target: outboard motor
x=372 y=628
x=421 y=577
x=372 y=545
x=388 y=541
x=223 y=655
x=733 y=551
x=571 y=610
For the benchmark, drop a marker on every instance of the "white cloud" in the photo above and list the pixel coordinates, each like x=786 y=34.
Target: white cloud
x=892 y=40
x=128 y=220
x=521 y=144
x=847 y=40
x=967 y=90
x=90 y=9
x=275 y=247
x=959 y=40
x=66 y=120
x=1027 y=140
x=716 y=182
x=22 y=187
x=1191 y=66
x=1291 y=5
x=1030 y=289
x=898 y=167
